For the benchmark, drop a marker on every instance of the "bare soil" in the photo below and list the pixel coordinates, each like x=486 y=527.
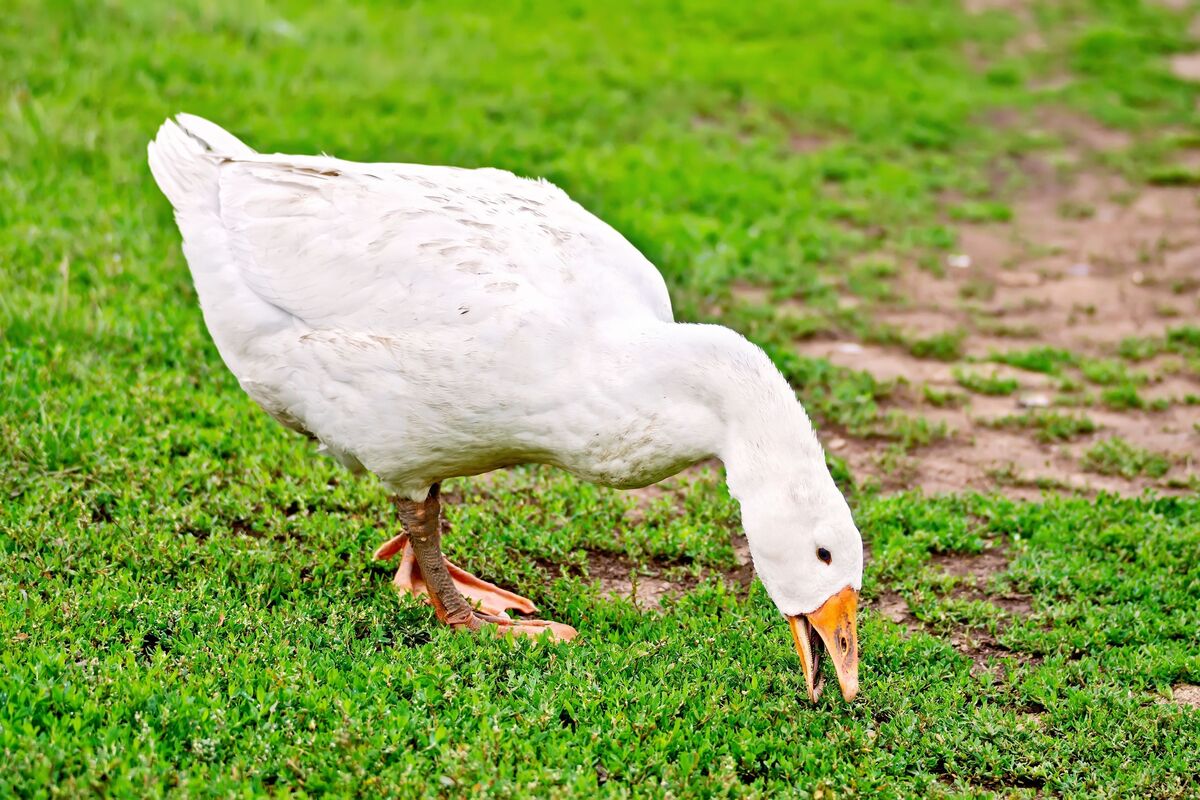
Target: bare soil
x=1186 y=694
x=1086 y=261
x=1186 y=66
x=1019 y=7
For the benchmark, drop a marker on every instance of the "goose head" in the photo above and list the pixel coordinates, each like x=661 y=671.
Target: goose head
x=808 y=554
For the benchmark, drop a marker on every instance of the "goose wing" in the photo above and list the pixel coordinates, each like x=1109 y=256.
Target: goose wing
x=385 y=247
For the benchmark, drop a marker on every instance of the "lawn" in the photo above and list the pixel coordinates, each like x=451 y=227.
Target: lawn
x=189 y=604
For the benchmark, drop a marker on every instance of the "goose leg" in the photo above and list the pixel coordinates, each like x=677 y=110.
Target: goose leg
x=459 y=599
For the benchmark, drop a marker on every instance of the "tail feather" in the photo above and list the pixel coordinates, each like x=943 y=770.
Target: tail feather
x=219 y=141
x=184 y=157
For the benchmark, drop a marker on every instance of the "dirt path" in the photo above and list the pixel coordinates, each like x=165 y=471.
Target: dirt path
x=1086 y=262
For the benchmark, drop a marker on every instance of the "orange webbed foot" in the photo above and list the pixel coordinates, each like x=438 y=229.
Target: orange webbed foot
x=489 y=601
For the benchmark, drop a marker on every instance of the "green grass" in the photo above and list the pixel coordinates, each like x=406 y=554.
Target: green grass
x=1049 y=360
x=942 y=398
x=157 y=653
x=1122 y=398
x=981 y=211
x=1050 y=426
x=1115 y=456
x=945 y=346
x=1174 y=175
x=1184 y=339
x=994 y=384
x=1109 y=372
x=188 y=602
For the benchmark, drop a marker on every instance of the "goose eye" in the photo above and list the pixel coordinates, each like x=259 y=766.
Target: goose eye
x=824 y=555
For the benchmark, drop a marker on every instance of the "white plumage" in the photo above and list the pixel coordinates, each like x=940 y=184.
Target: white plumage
x=430 y=322
x=352 y=300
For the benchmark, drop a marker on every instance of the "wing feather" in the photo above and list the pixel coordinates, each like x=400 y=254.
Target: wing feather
x=380 y=247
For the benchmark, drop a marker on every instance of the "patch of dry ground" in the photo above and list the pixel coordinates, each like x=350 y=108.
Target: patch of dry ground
x=1086 y=262
x=1185 y=694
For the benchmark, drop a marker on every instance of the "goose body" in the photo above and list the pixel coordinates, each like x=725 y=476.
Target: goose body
x=425 y=322
x=428 y=322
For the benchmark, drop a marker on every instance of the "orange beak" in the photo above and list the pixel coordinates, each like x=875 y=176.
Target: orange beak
x=832 y=627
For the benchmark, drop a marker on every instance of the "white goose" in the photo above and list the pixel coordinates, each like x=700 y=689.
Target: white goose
x=428 y=322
